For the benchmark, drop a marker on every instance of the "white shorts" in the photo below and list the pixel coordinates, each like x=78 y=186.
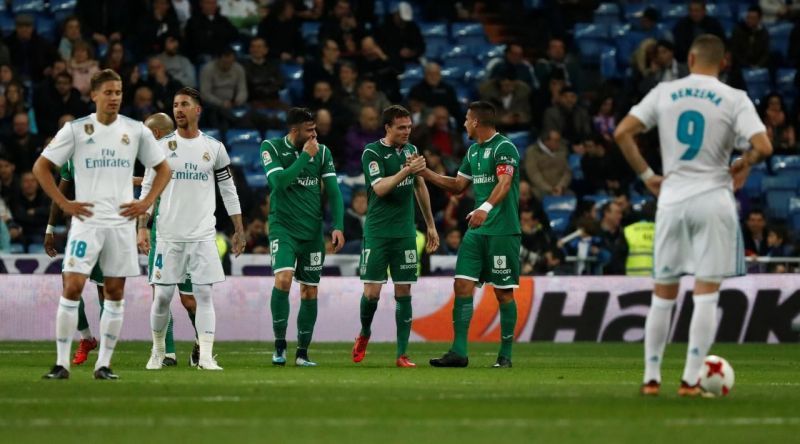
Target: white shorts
x=113 y=248
x=699 y=236
x=176 y=261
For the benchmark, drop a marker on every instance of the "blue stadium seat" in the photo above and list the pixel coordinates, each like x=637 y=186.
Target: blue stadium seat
x=453 y=74
x=598 y=199
x=520 y=139
x=778 y=203
x=256 y=179
x=779 y=37
x=213 y=132
x=244 y=154
x=559 y=220
x=6 y=24
x=784 y=80
x=273 y=134
x=433 y=29
x=58 y=6
x=46 y=28
x=347 y=191
x=27 y=6
x=781 y=182
x=240 y=111
x=310 y=31
x=674 y=12
x=785 y=164
x=486 y=53
x=474 y=76
x=464 y=95
x=458 y=55
x=720 y=11
x=608 y=63
x=563 y=203
x=637 y=202
x=607 y=13
x=794 y=213
x=633 y=11
x=592 y=39
x=752 y=187
x=463 y=29
x=435 y=46
x=757 y=81
x=242 y=136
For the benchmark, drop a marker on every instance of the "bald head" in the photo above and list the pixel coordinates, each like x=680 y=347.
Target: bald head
x=707 y=51
x=160 y=124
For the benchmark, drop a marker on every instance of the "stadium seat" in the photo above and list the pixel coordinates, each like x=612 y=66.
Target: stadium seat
x=458 y=55
x=453 y=75
x=273 y=134
x=627 y=41
x=779 y=37
x=752 y=187
x=433 y=29
x=778 y=203
x=637 y=202
x=469 y=34
x=46 y=28
x=435 y=46
x=608 y=63
x=794 y=213
x=244 y=154
x=62 y=6
x=674 y=12
x=757 y=81
x=632 y=11
x=489 y=52
x=256 y=179
x=310 y=31
x=563 y=203
x=784 y=81
x=592 y=39
x=720 y=11
x=781 y=182
x=785 y=164
x=27 y=6
x=6 y=24
x=240 y=111
x=464 y=95
x=520 y=139
x=598 y=199
x=607 y=13
x=213 y=132
x=242 y=136
x=474 y=76
x=559 y=220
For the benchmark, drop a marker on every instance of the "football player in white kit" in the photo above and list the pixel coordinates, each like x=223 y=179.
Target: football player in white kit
x=185 y=227
x=697 y=228
x=103 y=147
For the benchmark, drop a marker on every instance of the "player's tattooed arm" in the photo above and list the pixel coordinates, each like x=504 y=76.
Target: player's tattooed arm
x=740 y=169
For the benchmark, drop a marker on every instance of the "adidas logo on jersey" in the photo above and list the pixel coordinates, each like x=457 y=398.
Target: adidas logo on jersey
x=173 y=154
x=90 y=141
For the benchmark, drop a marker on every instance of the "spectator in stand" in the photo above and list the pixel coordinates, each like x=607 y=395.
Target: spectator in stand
x=400 y=37
x=780 y=131
x=162 y=86
x=587 y=244
x=330 y=135
x=6 y=118
x=281 y=30
x=693 y=25
x=605 y=119
x=309 y=9
x=183 y=10
x=142 y=105
x=732 y=75
x=105 y=21
x=513 y=59
x=323 y=97
x=755 y=234
x=70 y=35
x=30 y=54
x=665 y=68
x=568 y=118
x=433 y=91
x=9 y=179
x=159 y=22
x=22 y=146
x=342 y=26
x=325 y=67
x=367 y=95
x=5 y=55
x=354 y=219
x=256 y=237
x=750 y=41
x=223 y=86
x=596 y=166
x=778 y=242
x=511 y=99
x=546 y=166
x=452 y=241
x=15 y=99
x=648 y=24
x=116 y=59
x=629 y=216
x=82 y=66
x=373 y=62
x=557 y=60
x=8 y=75
x=264 y=76
x=536 y=239
x=438 y=196
x=347 y=81
x=775 y=10
x=544 y=98
x=438 y=132
x=208 y=33
x=177 y=65
x=613 y=238
x=31 y=210
x=242 y=13
x=56 y=99
x=367 y=130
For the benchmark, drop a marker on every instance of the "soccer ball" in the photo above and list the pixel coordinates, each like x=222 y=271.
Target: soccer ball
x=717 y=376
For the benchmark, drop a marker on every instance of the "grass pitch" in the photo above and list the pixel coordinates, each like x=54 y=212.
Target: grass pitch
x=555 y=393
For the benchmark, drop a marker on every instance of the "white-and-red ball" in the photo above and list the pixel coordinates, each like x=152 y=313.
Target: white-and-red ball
x=717 y=376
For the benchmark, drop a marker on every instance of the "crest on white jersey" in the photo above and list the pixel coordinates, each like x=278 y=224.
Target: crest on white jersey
x=315 y=258
x=88 y=129
x=125 y=139
x=207 y=157
x=172 y=145
x=266 y=157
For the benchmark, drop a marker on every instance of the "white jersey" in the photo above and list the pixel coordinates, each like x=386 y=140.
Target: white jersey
x=699 y=119
x=103 y=157
x=187 y=205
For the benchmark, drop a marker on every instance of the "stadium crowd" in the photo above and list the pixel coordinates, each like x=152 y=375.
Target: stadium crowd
x=347 y=60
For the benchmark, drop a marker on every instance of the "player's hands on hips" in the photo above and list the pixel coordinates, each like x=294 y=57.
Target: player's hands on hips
x=238 y=243
x=337 y=237
x=50 y=244
x=739 y=170
x=77 y=209
x=134 y=209
x=433 y=240
x=654 y=184
x=143 y=240
x=311 y=147
x=476 y=218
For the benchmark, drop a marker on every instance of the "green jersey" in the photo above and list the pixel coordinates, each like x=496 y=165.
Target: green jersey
x=393 y=214
x=297 y=208
x=480 y=166
x=67 y=171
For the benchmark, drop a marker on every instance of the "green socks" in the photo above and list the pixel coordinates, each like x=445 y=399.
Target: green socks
x=83 y=323
x=169 y=341
x=462 y=315
x=279 y=305
x=402 y=317
x=508 y=320
x=306 y=319
x=368 y=307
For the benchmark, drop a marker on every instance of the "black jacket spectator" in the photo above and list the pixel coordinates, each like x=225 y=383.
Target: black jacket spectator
x=154 y=27
x=264 y=77
x=55 y=99
x=22 y=146
x=105 y=20
x=750 y=41
x=400 y=37
x=693 y=25
x=207 y=34
x=30 y=54
x=281 y=30
x=343 y=27
x=433 y=91
x=31 y=209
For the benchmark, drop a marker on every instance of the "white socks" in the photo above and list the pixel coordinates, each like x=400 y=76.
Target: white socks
x=110 y=326
x=86 y=333
x=159 y=316
x=702 y=331
x=205 y=320
x=656 y=333
x=66 y=323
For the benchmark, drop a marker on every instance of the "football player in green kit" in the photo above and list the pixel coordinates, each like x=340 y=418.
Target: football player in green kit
x=489 y=252
x=389 y=230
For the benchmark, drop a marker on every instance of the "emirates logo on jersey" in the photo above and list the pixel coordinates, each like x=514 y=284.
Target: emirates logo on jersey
x=88 y=129
x=207 y=157
x=125 y=139
x=172 y=145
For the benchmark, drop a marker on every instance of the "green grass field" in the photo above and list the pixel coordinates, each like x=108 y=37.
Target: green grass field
x=555 y=393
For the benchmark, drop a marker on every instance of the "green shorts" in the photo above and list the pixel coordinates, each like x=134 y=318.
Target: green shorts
x=398 y=255
x=486 y=258
x=303 y=257
x=97 y=275
x=185 y=287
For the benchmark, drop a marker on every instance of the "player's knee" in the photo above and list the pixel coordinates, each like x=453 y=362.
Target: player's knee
x=308 y=292
x=188 y=302
x=504 y=296
x=463 y=287
x=402 y=290
x=372 y=291
x=283 y=280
